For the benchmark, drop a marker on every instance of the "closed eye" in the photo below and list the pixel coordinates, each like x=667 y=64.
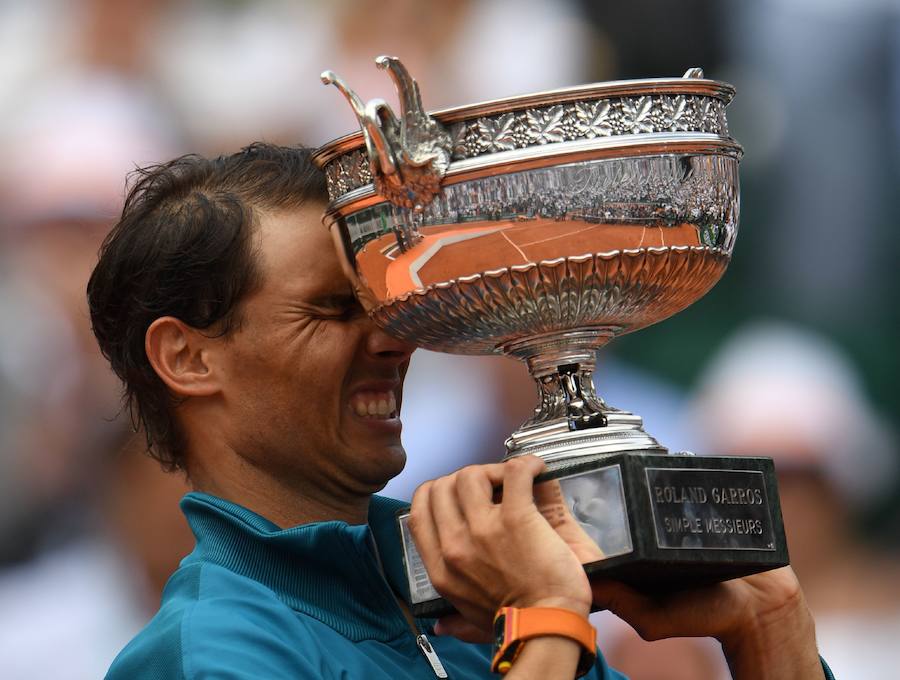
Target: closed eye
x=343 y=307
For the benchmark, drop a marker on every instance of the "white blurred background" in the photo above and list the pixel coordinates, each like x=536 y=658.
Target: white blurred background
x=794 y=354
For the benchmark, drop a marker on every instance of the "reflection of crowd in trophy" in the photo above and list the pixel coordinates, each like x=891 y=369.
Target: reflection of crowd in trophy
x=640 y=191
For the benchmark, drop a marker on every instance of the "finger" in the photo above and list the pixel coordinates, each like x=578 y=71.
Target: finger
x=459 y=627
x=493 y=471
x=518 y=481
x=551 y=503
x=444 y=504
x=424 y=532
x=475 y=491
x=446 y=515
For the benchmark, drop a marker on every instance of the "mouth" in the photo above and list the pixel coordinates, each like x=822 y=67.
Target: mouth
x=374 y=405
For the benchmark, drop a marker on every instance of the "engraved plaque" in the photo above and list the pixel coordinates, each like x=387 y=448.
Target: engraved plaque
x=420 y=588
x=710 y=509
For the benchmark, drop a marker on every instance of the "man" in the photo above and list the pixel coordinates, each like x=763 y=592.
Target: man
x=219 y=301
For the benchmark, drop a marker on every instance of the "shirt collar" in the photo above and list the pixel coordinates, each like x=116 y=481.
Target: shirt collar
x=327 y=570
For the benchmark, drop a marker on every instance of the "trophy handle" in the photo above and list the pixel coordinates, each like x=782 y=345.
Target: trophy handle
x=409 y=155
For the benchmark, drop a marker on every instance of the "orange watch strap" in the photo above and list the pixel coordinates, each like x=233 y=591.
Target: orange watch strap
x=539 y=621
x=519 y=625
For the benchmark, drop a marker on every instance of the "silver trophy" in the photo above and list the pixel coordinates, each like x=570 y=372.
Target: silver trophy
x=541 y=227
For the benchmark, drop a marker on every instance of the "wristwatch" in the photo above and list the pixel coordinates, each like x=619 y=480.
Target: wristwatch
x=513 y=626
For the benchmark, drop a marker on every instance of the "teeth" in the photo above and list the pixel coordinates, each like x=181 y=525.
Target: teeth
x=374 y=404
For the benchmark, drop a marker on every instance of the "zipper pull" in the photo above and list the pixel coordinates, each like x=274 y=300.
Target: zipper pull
x=426 y=649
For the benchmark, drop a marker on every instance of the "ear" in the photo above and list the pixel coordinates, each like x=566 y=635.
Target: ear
x=181 y=356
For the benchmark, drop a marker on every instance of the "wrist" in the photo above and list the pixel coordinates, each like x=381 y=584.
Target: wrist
x=777 y=644
x=759 y=625
x=573 y=604
x=546 y=658
x=515 y=628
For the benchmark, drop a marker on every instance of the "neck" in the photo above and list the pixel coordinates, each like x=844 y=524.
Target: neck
x=281 y=499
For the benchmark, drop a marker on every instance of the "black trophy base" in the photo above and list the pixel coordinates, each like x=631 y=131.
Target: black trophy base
x=660 y=522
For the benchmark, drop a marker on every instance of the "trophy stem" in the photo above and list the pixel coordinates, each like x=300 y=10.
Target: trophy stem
x=572 y=422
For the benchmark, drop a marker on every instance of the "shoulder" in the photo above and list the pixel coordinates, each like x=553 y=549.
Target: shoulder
x=214 y=623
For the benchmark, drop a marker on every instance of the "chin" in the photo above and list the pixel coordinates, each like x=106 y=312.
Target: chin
x=393 y=461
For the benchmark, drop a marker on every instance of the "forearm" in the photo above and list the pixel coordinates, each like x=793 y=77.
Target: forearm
x=548 y=658
x=786 y=651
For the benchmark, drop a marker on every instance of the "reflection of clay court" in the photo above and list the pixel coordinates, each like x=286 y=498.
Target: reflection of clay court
x=446 y=253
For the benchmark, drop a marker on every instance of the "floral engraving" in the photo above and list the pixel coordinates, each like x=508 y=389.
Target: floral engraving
x=683 y=114
x=723 y=121
x=663 y=114
x=635 y=114
x=709 y=119
x=555 y=124
x=458 y=133
x=365 y=169
x=593 y=119
x=545 y=126
x=332 y=175
x=350 y=170
x=466 y=140
x=521 y=132
x=497 y=134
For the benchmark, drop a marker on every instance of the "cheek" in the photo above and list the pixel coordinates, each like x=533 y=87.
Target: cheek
x=327 y=355
x=259 y=377
x=300 y=377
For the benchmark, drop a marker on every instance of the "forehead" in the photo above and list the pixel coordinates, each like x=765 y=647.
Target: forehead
x=295 y=250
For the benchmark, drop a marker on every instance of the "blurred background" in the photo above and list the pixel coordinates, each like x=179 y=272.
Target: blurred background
x=793 y=355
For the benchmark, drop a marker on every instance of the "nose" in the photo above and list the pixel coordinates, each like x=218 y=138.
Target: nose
x=384 y=346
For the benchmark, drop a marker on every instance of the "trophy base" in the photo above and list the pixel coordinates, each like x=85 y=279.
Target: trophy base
x=659 y=522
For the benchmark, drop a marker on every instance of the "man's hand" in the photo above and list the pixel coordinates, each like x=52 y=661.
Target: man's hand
x=553 y=506
x=482 y=555
x=762 y=622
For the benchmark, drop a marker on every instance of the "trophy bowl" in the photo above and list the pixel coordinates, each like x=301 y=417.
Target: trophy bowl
x=560 y=220
x=540 y=227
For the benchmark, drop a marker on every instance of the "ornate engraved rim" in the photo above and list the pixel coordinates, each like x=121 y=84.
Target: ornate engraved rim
x=656 y=87
x=603 y=124
x=384 y=313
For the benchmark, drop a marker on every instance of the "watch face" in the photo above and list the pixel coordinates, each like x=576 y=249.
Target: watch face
x=499 y=631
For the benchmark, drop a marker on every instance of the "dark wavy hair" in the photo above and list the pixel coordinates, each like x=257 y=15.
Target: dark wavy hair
x=184 y=248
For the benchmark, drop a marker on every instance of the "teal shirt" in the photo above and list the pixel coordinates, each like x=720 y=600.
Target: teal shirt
x=256 y=601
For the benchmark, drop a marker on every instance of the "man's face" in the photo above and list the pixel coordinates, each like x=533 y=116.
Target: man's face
x=312 y=387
